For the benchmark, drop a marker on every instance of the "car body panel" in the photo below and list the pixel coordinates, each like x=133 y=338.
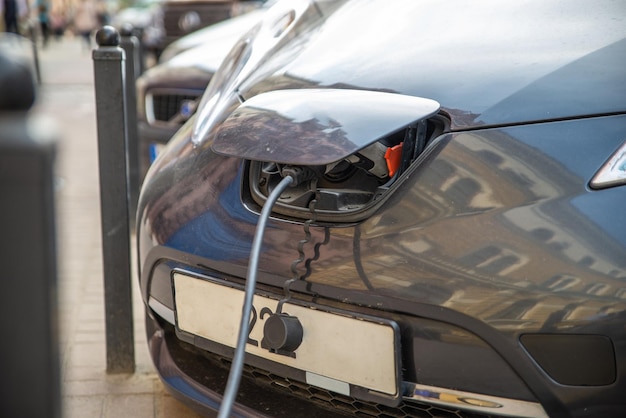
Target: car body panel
x=525 y=240
x=534 y=189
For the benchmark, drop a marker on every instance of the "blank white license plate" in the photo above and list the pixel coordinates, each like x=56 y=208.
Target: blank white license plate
x=336 y=350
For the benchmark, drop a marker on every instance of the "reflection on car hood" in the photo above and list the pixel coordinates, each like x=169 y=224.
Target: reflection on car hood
x=484 y=71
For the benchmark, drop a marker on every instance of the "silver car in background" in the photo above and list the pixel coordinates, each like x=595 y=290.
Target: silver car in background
x=167 y=94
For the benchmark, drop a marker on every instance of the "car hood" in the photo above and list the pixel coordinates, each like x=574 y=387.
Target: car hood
x=482 y=69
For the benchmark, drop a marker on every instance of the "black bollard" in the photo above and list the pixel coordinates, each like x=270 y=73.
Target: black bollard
x=33 y=37
x=109 y=75
x=29 y=353
x=141 y=51
x=130 y=44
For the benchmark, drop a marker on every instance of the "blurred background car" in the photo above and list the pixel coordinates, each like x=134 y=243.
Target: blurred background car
x=182 y=17
x=161 y=22
x=168 y=93
x=145 y=17
x=218 y=34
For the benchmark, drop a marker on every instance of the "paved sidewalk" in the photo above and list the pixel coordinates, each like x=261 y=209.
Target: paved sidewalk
x=66 y=95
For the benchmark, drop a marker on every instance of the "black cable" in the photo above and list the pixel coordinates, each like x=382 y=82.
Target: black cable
x=356 y=250
x=234 y=376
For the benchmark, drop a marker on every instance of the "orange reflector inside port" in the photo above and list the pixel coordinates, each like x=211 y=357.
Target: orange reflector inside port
x=393 y=156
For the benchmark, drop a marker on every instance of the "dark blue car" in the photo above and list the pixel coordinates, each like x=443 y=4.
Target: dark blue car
x=398 y=209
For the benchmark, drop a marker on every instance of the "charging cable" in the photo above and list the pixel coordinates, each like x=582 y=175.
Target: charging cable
x=234 y=376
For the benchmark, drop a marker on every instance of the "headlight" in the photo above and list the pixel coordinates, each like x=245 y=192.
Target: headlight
x=613 y=172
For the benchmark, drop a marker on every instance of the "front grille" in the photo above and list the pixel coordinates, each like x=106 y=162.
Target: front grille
x=346 y=404
x=166 y=106
x=212 y=370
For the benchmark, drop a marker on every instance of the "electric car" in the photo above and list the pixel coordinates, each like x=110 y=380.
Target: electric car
x=407 y=210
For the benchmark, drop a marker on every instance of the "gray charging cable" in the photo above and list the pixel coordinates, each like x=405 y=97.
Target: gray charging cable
x=234 y=376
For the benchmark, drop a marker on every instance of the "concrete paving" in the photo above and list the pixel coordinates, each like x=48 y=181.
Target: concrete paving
x=66 y=96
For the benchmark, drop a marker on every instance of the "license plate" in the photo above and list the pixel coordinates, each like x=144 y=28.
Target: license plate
x=338 y=349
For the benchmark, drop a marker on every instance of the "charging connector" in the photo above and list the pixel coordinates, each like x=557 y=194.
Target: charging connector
x=299 y=174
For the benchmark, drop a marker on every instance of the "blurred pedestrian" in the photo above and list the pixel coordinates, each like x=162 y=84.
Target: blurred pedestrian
x=57 y=23
x=13 y=11
x=86 y=20
x=103 y=13
x=43 y=11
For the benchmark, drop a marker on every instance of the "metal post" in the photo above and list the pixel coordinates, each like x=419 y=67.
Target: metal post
x=111 y=126
x=33 y=37
x=141 y=51
x=130 y=44
x=29 y=354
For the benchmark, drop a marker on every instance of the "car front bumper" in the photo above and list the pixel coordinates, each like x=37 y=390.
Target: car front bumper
x=196 y=372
